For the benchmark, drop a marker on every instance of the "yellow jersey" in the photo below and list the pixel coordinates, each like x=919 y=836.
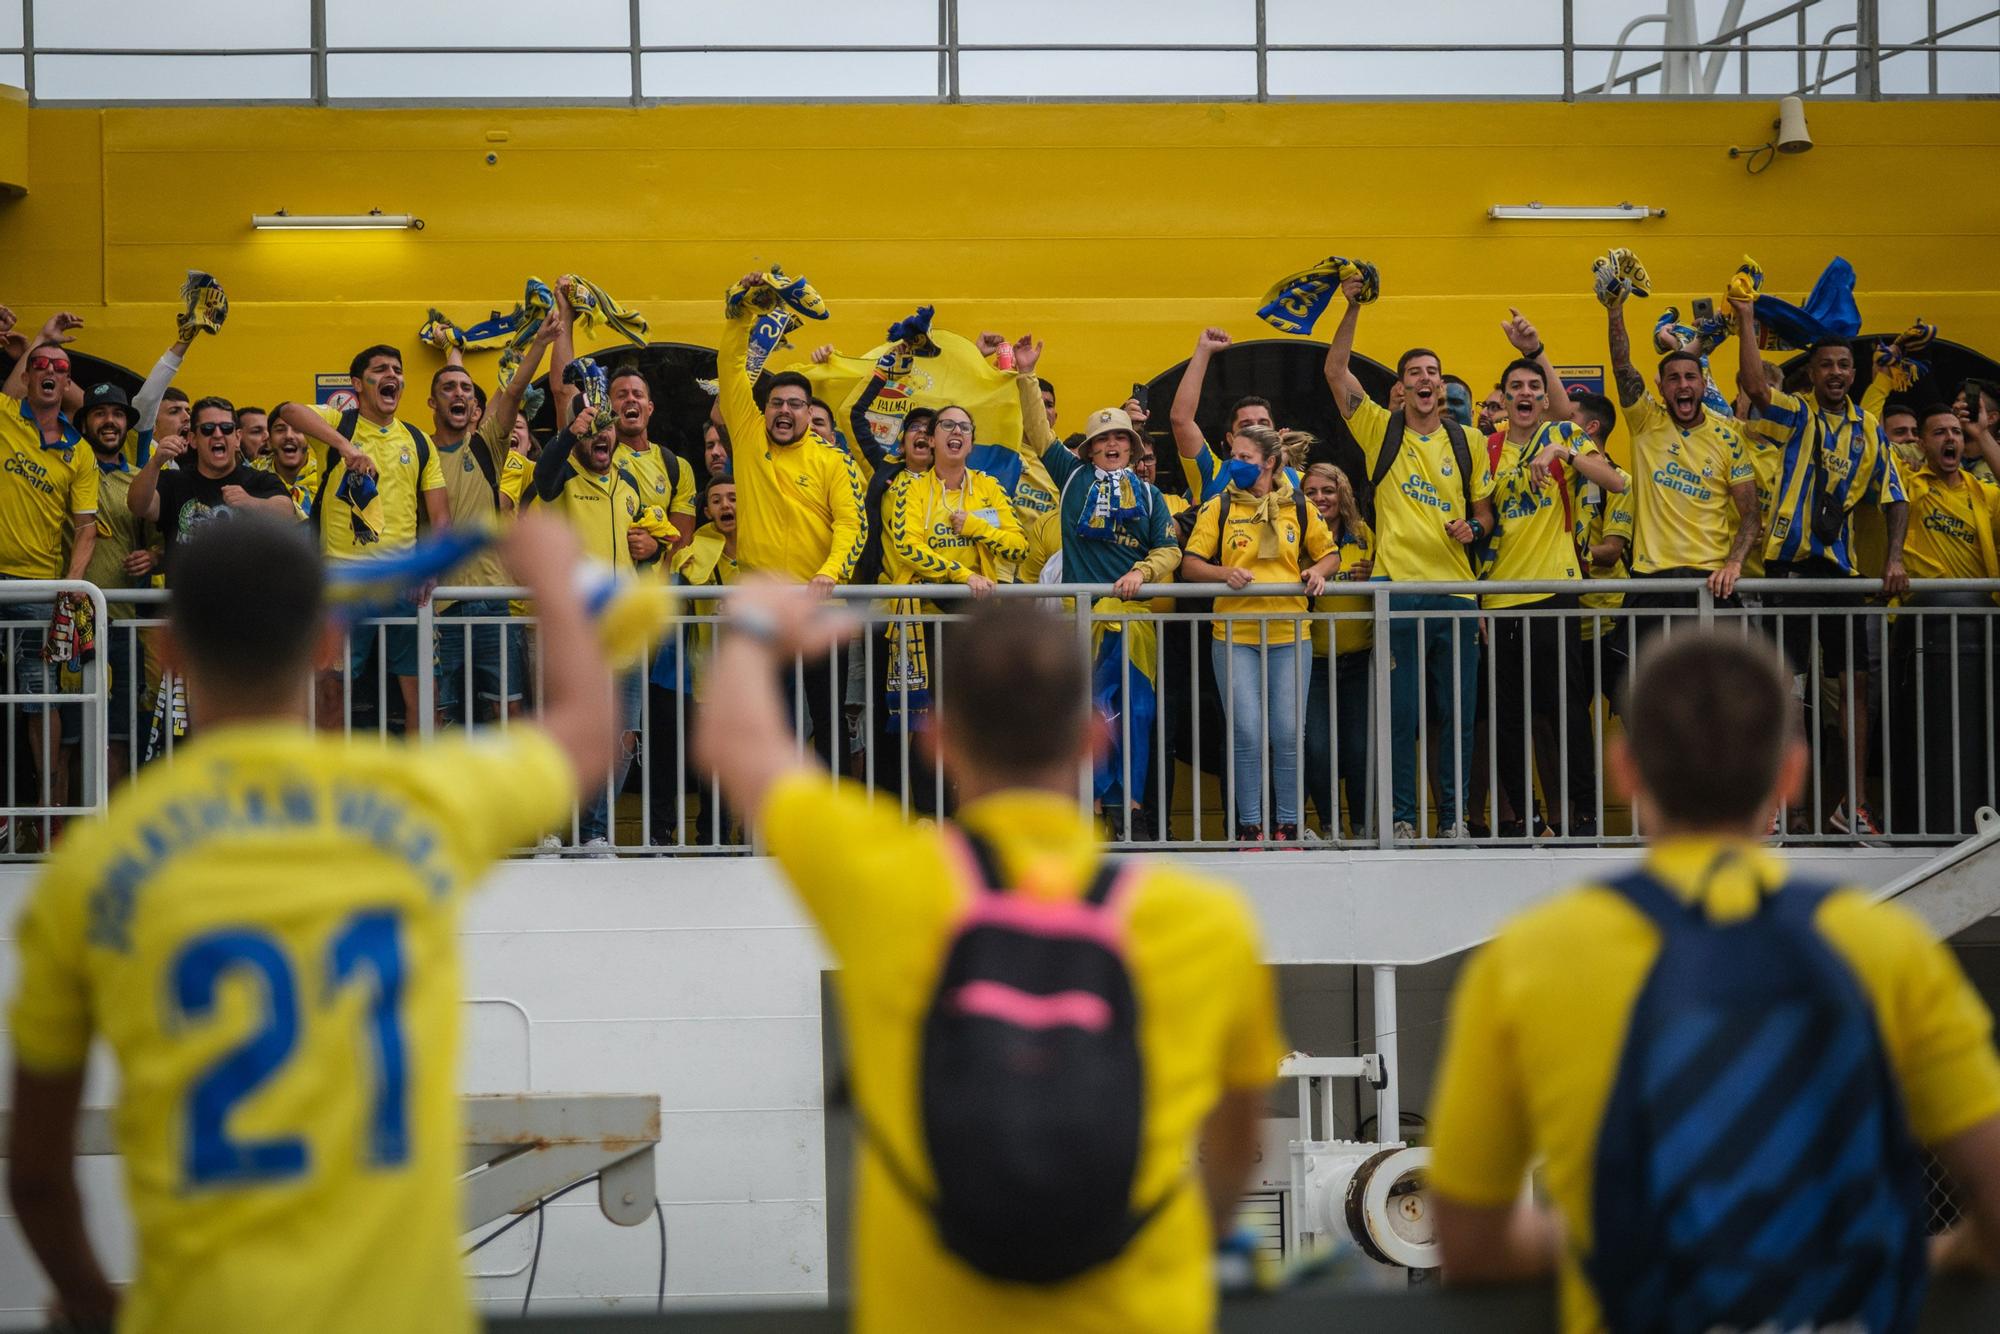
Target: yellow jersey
x=1538 y=1020
x=1952 y=527
x=1349 y=636
x=266 y=936
x=1538 y=524
x=43 y=489
x=801 y=508
x=1860 y=469
x=515 y=470
x=600 y=508
x=1231 y=531
x=1607 y=514
x=1420 y=495
x=664 y=477
x=1681 y=477
x=473 y=508
x=918 y=544
x=886 y=895
x=401 y=476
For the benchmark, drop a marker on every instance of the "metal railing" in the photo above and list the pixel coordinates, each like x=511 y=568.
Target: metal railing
x=1273 y=57
x=46 y=722
x=1485 y=727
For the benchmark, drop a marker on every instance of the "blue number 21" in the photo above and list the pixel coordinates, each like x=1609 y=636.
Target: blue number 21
x=367 y=940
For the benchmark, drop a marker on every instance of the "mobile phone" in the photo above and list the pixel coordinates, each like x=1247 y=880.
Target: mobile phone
x=1704 y=308
x=1139 y=392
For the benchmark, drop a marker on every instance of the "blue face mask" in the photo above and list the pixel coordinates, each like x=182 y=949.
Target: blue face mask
x=1241 y=473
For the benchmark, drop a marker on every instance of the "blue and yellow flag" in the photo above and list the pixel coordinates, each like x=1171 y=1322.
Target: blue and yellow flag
x=956 y=374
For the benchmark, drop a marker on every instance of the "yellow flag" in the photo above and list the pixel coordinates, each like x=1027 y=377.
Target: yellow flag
x=956 y=375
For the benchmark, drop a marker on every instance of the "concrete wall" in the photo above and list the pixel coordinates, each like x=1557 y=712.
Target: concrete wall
x=698 y=979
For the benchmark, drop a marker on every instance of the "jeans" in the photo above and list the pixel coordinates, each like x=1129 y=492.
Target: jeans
x=1261 y=685
x=1542 y=657
x=1339 y=700
x=596 y=819
x=1452 y=713
x=497 y=651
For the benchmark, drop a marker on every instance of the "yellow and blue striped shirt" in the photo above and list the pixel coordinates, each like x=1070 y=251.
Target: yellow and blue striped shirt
x=1860 y=469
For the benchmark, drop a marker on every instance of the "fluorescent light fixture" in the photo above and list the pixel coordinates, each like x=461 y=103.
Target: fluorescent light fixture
x=374 y=220
x=1536 y=211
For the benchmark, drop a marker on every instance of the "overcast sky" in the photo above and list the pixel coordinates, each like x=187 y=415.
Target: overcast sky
x=202 y=27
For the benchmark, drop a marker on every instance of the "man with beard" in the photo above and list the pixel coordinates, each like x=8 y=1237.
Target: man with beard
x=714 y=449
x=253 y=434
x=1695 y=503
x=1433 y=506
x=122 y=557
x=472 y=487
x=603 y=504
x=1939 y=657
x=1835 y=459
x=47 y=481
x=208 y=481
x=367 y=441
x=291 y=461
x=801 y=498
x=664 y=476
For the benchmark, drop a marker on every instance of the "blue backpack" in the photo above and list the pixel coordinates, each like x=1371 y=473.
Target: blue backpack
x=1754 y=1168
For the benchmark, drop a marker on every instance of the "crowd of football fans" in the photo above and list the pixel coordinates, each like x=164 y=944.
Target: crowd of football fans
x=1841 y=466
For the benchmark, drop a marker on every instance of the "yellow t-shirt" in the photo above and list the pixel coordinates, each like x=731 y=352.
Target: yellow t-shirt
x=1348 y=636
x=801 y=508
x=42 y=487
x=1538 y=1024
x=1608 y=514
x=1538 y=524
x=600 y=508
x=515 y=472
x=1422 y=493
x=265 y=934
x=664 y=477
x=1946 y=522
x=886 y=895
x=705 y=562
x=119 y=534
x=918 y=545
x=1229 y=532
x=1685 y=518
x=472 y=508
x=399 y=480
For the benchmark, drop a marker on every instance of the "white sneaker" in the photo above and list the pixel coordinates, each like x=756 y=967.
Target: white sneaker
x=1405 y=832
x=1458 y=831
x=599 y=850
x=549 y=849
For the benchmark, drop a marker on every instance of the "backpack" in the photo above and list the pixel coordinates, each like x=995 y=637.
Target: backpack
x=1461 y=450
x=1754 y=1168
x=352 y=417
x=1031 y=1088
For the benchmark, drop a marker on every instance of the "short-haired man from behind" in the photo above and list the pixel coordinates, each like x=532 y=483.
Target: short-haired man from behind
x=1433 y=504
x=298 y=893
x=1941 y=698
x=887 y=895
x=1724 y=1072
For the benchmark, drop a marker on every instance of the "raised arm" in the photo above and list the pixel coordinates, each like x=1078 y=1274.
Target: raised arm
x=1750 y=378
x=506 y=404
x=742 y=728
x=1036 y=433
x=1529 y=344
x=1187 y=397
x=146 y=403
x=1631 y=384
x=576 y=709
x=60 y=330
x=1347 y=391
x=143 y=497
x=564 y=340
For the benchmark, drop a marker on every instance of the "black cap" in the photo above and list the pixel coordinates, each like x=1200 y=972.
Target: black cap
x=106 y=395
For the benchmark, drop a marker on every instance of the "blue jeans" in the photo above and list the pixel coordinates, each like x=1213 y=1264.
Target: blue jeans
x=1260 y=683
x=1453 y=718
x=1339 y=700
x=596 y=819
x=493 y=645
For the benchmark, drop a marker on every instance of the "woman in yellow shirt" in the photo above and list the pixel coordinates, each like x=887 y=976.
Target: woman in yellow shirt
x=1339 y=722
x=1260 y=531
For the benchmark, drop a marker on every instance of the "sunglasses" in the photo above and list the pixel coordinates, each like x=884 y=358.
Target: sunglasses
x=217 y=428
x=48 y=364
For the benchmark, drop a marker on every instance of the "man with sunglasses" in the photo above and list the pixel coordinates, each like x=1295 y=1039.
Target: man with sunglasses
x=182 y=499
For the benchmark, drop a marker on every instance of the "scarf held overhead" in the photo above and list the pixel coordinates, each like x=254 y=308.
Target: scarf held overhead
x=1296 y=301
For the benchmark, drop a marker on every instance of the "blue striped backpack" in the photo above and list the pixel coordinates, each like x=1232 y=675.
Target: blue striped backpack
x=1754 y=1168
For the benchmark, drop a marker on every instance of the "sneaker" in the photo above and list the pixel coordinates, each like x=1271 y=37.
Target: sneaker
x=549 y=849
x=1862 y=825
x=1310 y=835
x=1583 y=826
x=1143 y=828
x=1285 y=833
x=599 y=849
x=1458 y=831
x=1405 y=832
x=1249 y=833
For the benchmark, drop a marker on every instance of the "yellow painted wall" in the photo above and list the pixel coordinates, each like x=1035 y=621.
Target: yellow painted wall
x=1115 y=231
